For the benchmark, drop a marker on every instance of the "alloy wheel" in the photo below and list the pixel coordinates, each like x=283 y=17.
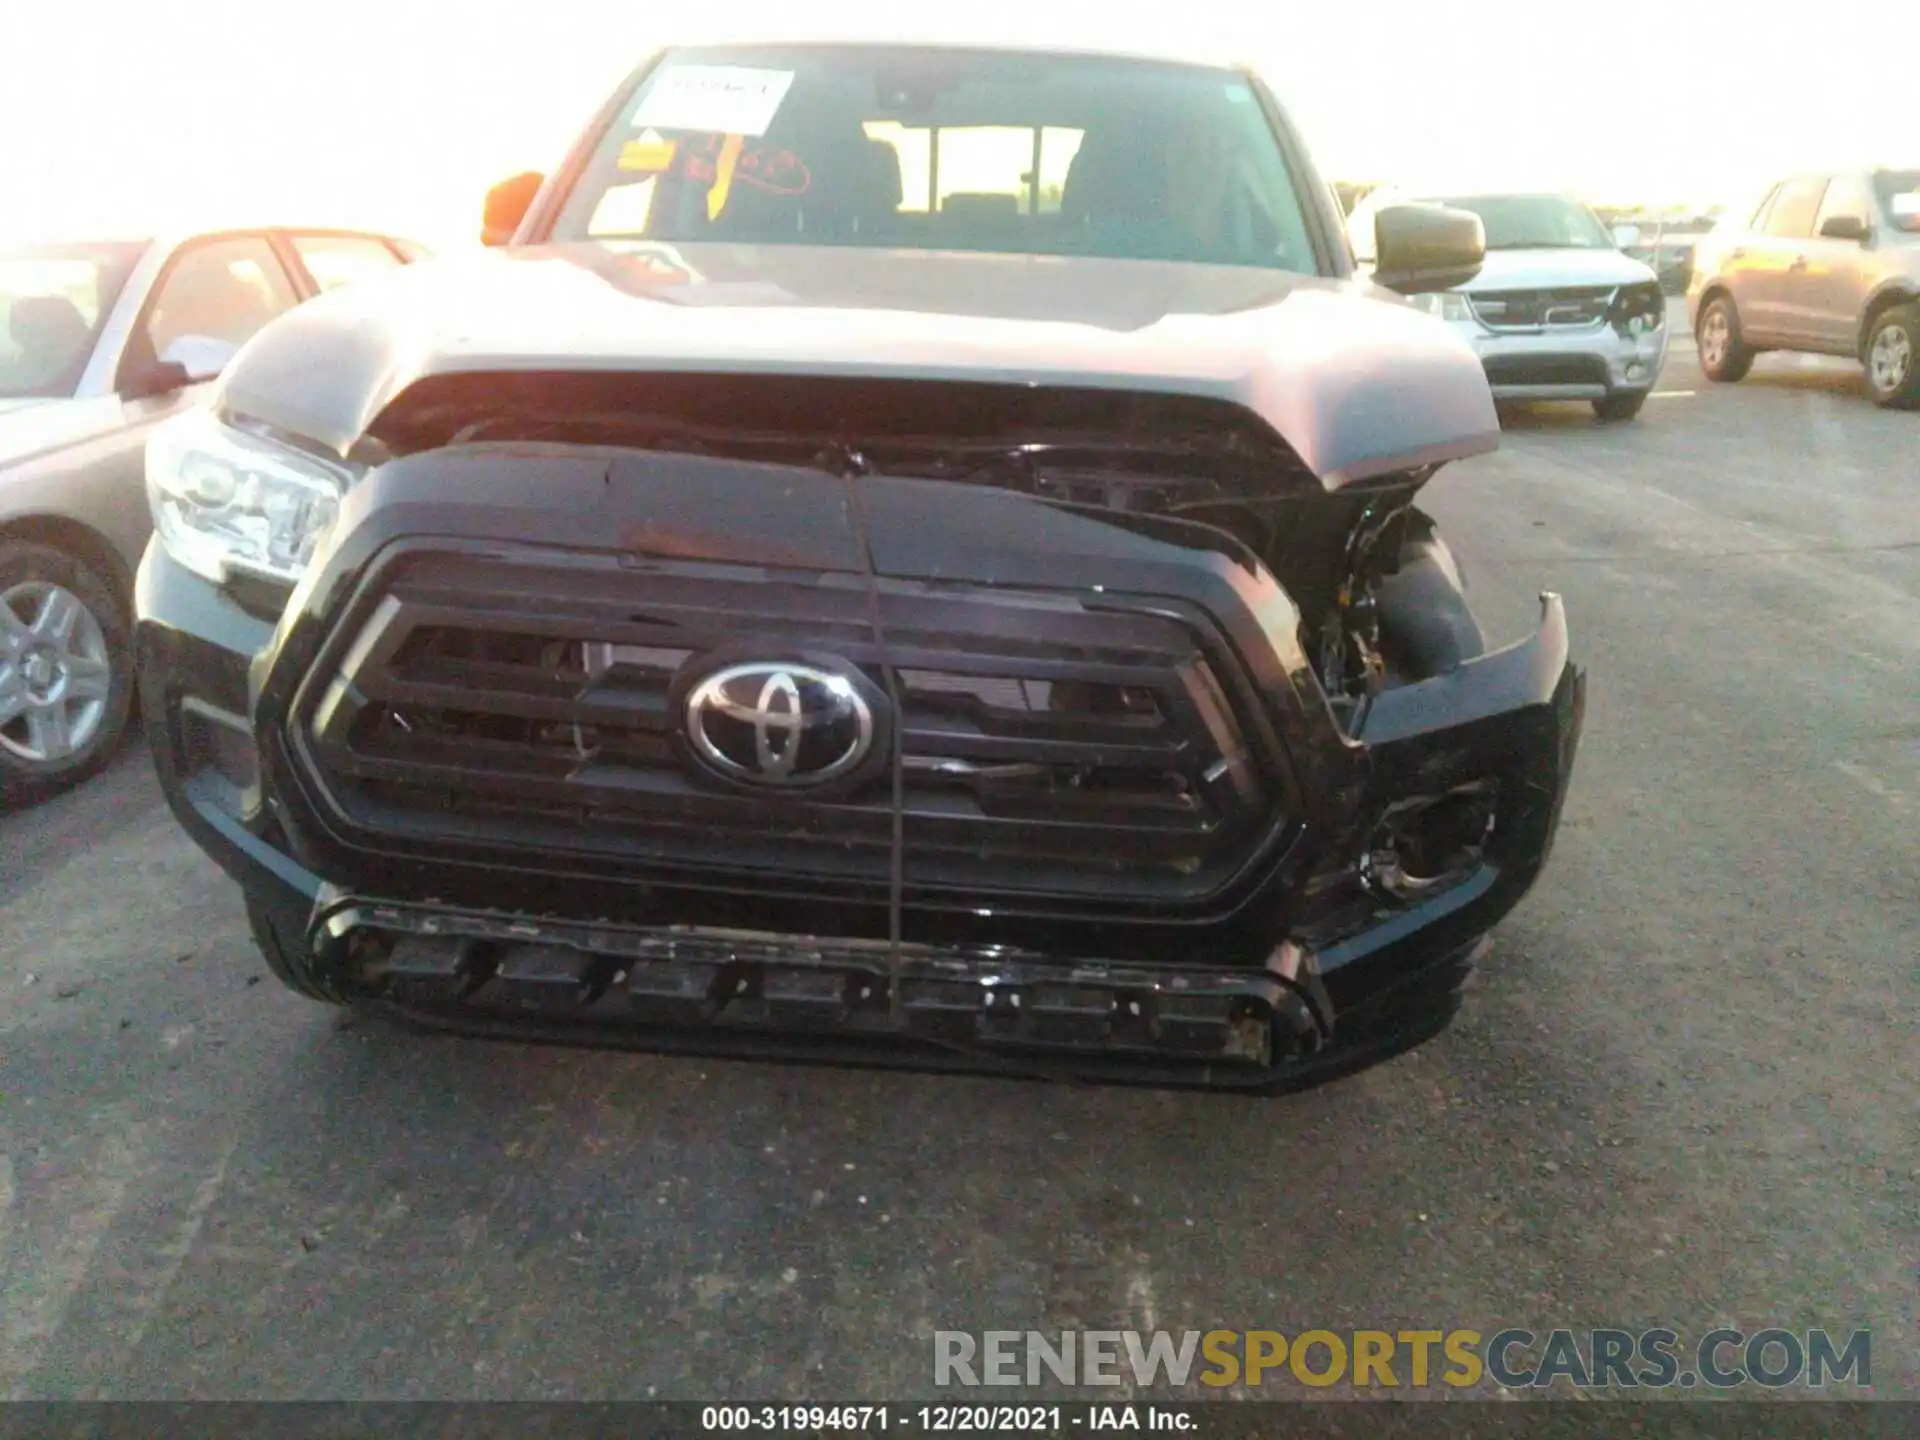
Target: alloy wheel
x=1891 y=361
x=54 y=673
x=1715 y=334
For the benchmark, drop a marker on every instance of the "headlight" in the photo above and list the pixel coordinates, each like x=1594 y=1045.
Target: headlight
x=224 y=500
x=1447 y=304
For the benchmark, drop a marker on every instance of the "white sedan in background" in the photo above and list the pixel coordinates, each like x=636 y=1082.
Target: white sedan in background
x=99 y=340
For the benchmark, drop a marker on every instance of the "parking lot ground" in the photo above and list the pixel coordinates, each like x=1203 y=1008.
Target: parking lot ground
x=1683 y=1092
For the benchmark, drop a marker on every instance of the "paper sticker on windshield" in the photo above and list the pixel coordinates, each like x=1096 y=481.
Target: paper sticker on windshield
x=1907 y=205
x=623 y=210
x=648 y=155
x=722 y=99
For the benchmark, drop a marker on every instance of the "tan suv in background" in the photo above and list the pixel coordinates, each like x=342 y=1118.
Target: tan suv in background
x=1826 y=264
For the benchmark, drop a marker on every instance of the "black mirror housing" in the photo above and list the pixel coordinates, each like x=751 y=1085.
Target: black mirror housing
x=1423 y=248
x=507 y=205
x=1843 y=227
x=162 y=377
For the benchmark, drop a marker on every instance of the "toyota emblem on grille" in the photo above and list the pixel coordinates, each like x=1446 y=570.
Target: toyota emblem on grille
x=780 y=723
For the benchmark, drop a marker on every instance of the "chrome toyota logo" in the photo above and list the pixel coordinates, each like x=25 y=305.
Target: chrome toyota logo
x=779 y=723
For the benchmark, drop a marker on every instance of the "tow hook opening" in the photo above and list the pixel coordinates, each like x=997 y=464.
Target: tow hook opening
x=478 y=963
x=1430 y=842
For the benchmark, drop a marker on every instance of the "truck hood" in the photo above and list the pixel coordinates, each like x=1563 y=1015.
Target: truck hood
x=1552 y=267
x=1357 y=382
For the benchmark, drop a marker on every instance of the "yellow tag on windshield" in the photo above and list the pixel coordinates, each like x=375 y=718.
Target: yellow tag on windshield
x=649 y=155
x=723 y=175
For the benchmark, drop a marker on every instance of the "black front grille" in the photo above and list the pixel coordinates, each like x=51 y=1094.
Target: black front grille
x=1546 y=370
x=1048 y=744
x=1569 y=307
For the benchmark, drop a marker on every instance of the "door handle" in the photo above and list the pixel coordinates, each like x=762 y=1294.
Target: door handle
x=1739 y=252
x=1799 y=263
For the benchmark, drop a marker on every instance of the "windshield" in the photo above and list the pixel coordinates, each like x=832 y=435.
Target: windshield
x=1899 y=192
x=1535 y=222
x=946 y=150
x=53 y=301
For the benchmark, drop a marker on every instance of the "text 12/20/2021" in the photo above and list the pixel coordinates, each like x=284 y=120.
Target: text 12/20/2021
x=946 y=1419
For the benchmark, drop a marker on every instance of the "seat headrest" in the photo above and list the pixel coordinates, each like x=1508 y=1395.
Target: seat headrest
x=52 y=321
x=884 y=164
x=1117 y=173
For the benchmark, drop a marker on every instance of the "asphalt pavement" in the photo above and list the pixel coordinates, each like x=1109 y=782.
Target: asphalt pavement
x=1685 y=1091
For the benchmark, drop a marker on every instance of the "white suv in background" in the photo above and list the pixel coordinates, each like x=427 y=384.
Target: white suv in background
x=1558 y=311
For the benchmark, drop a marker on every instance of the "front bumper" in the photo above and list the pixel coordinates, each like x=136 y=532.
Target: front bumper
x=612 y=983
x=1342 y=973
x=1588 y=363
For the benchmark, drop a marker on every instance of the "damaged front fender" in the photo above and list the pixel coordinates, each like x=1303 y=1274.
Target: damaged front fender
x=1492 y=742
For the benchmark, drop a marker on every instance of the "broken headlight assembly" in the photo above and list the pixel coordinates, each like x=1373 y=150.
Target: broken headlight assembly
x=1638 y=309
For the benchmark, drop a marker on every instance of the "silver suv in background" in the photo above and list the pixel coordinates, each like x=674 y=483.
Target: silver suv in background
x=1557 y=312
x=1826 y=264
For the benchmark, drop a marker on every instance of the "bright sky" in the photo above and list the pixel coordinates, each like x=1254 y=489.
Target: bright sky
x=399 y=113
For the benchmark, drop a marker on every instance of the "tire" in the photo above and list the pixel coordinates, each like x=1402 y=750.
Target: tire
x=283 y=946
x=66 y=672
x=1621 y=405
x=1724 y=357
x=1893 y=358
x=1426 y=625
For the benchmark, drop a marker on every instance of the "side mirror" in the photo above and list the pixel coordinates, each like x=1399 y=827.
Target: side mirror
x=1843 y=227
x=1424 y=248
x=507 y=205
x=1626 y=236
x=148 y=382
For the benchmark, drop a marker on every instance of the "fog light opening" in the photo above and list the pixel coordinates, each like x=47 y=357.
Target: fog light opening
x=1429 y=843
